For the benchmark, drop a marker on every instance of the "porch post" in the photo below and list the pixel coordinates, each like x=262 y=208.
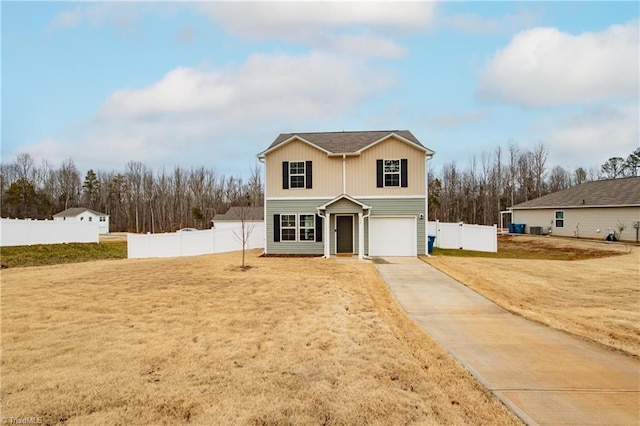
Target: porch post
x=327 y=235
x=360 y=236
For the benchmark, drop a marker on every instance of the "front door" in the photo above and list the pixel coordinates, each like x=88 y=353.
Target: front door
x=344 y=227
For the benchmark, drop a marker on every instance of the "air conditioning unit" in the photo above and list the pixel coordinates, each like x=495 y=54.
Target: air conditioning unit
x=535 y=230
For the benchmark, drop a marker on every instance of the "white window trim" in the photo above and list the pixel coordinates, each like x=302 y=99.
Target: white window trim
x=297 y=228
x=556 y=219
x=384 y=173
x=303 y=174
x=294 y=227
x=300 y=227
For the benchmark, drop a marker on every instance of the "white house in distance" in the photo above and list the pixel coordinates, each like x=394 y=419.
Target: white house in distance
x=82 y=214
x=588 y=210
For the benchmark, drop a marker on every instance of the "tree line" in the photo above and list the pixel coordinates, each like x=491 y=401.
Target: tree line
x=140 y=199
x=508 y=176
x=137 y=199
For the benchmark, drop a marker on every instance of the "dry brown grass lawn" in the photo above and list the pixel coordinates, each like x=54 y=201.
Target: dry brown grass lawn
x=196 y=340
x=598 y=299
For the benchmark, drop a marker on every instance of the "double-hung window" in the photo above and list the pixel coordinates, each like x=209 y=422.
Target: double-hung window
x=559 y=219
x=288 y=227
x=391 y=172
x=307 y=227
x=296 y=174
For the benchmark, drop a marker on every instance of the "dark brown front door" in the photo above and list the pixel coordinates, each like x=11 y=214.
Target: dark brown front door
x=344 y=226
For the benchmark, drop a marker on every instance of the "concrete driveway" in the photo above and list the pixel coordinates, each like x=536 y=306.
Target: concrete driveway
x=545 y=376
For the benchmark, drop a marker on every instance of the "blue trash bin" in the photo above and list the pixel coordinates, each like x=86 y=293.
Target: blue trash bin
x=519 y=228
x=432 y=238
x=512 y=228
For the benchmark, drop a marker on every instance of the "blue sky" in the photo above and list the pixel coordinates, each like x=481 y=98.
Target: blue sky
x=213 y=83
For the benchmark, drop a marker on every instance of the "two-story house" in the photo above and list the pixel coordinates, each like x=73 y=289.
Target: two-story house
x=361 y=193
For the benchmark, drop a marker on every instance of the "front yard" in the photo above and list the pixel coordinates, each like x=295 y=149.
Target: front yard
x=197 y=340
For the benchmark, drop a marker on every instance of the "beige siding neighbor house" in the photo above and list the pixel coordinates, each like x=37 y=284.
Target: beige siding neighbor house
x=588 y=210
x=81 y=214
x=351 y=193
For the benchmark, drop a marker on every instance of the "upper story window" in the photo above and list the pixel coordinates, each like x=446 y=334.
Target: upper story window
x=90 y=219
x=392 y=173
x=297 y=174
x=103 y=219
x=559 y=219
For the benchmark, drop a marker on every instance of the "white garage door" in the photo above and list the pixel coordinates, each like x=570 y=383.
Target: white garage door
x=392 y=236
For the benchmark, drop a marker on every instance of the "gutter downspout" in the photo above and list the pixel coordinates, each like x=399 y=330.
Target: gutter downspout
x=366 y=216
x=326 y=237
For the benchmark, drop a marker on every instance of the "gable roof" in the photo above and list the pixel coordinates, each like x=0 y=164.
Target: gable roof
x=235 y=213
x=75 y=211
x=597 y=193
x=346 y=142
x=343 y=197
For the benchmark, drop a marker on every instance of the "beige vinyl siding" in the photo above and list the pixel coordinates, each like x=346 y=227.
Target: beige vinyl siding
x=397 y=207
x=361 y=170
x=327 y=171
x=585 y=220
x=292 y=207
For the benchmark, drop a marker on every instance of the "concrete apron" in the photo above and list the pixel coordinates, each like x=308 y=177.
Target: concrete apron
x=545 y=376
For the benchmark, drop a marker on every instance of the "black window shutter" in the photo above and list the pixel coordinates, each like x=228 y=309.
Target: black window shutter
x=285 y=175
x=379 y=174
x=276 y=228
x=308 y=175
x=318 y=229
x=403 y=173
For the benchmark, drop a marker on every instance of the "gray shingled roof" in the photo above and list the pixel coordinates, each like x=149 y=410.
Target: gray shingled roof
x=234 y=213
x=613 y=192
x=75 y=211
x=345 y=142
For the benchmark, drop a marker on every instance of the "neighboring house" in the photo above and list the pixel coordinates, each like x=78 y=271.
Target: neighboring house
x=234 y=216
x=588 y=210
x=360 y=193
x=81 y=214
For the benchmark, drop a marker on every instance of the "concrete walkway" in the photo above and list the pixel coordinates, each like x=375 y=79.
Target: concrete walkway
x=545 y=376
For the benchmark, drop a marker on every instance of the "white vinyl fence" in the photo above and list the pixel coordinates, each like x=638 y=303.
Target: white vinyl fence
x=193 y=243
x=463 y=236
x=27 y=232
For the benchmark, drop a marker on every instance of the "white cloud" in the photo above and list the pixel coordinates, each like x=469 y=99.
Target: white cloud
x=288 y=20
x=593 y=135
x=546 y=67
x=264 y=86
x=202 y=116
x=363 y=29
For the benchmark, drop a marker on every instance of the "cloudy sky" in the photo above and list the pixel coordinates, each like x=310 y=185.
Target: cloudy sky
x=213 y=83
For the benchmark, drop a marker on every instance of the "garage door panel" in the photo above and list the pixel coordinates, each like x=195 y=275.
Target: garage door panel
x=392 y=236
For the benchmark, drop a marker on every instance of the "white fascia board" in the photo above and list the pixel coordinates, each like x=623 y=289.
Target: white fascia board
x=407 y=141
x=291 y=139
x=346 y=197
